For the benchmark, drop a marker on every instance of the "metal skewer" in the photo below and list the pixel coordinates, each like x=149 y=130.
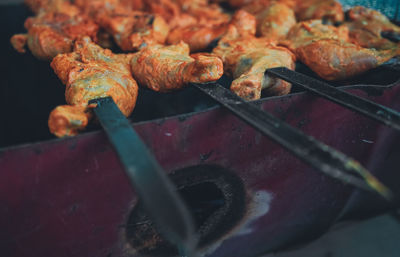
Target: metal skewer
x=373 y=110
x=317 y=154
x=155 y=189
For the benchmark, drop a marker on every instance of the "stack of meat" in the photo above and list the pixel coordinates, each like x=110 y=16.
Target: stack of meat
x=171 y=43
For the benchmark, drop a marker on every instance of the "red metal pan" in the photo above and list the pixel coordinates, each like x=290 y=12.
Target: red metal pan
x=70 y=196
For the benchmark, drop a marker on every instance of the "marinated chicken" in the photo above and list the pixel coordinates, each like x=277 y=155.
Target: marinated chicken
x=329 y=11
x=130 y=27
x=134 y=30
x=366 y=27
x=247 y=58
x=90 y=72
x=200 y=37
x=247 y=38
x=182 y=13
x=54 y=29
x=275 y=21
x=325 y=50
x=166 y=68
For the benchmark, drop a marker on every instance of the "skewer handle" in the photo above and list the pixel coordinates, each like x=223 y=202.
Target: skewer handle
x=155 y=189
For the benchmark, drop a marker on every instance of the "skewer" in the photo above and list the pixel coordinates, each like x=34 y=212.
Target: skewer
x=322 y=157
x=370 y=109
x=155 y=189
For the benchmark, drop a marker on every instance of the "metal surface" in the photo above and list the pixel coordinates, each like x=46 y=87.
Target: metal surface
x=307 y=148
x=70 y=197
x=156 y=191
x=375 y=111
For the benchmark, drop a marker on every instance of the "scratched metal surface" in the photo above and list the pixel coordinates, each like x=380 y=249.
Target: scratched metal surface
x=70 y=197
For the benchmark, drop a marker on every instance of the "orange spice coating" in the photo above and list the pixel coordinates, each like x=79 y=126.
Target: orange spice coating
x=306 y=32
x=326 y=50
x=328 y=10
x=130 y=27
x=366 y=26
x=90 y=72
x=18 y=41
x=68 y=120
x=336 y=60
x=247 y=58
x=182 y=13
x=199 y=37
x=134 y=30
x=275 y=21
x=166 y=68
x=53 y=30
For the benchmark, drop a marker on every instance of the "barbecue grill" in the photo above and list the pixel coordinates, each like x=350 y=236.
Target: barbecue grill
x=248 y=195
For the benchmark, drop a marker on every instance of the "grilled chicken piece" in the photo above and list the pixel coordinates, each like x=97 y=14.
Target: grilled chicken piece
x=366 y=27
x=130 y=27
x=325 y=50
x=90 y=72
x=134 y=30
x=330 y=11
x=201 y=36
x=207 y=13
x=247 y=58
x=53 y=30
x=306 y=32
x=274 y=18
x=166 y=68
x=182 y=13
x=275 y=21
x=171 y=12
x=94 y=7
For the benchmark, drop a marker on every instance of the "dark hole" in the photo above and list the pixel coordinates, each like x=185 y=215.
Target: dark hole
x=214 y=196
x=203 y=200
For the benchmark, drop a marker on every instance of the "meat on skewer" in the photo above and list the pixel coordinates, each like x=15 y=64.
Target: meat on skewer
x=90 y=72
x=366 y=27
x=69 y=31
x=275 y=21
x=329 y=10
x=130 y=27
x=200 y=37
x=247 y=58
x=54 y=29
x=326 y=50
x=134 y=30
x=166 y=68
x=183 y=13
